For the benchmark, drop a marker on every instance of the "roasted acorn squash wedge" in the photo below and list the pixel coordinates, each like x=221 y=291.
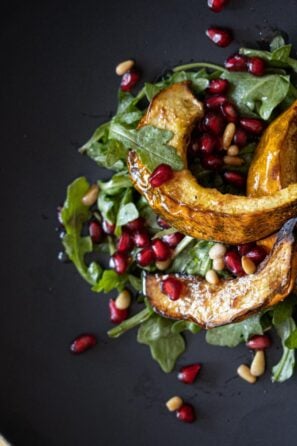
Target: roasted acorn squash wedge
x=192 y=209
x=234 y=299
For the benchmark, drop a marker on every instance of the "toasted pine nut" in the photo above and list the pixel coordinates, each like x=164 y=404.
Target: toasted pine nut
x=174 y=403
x=244 y=372
x=217 y=251
x=218 y=264
x=248 y=265
x=123 y=301
x=212 y=277
x=258 y=364
x=91 y=196
x=228 y=135
x=233 y=160
x=162 y=265
x=124 y=66
x=233 y=150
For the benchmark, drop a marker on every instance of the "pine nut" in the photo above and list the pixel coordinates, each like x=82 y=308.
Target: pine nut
x=162 y=265
x=217 y=251
x=233 y=160
x=123 y=301
x=124 y=66
x=233 y=150
x=258 y=364
x=174 y=403
x=228 y=135
x=91 y=196
x=218 y=264
x=212 y=277
x=244 y=372
x=248 y=265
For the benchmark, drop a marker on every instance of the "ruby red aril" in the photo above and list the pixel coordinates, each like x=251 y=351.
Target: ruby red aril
x=236 y=62
x=256 y=66
x=252 y=125
x=220 y=36
x=214 y=123
x=129 y=80
x=141 y=239
x=237 y=179
x=119 y=261
x=186 y=413
x=125 y=242
x=218 y=86
x=161 y=250
x=107 y=227
x=162 y=223
x=82 y=343
x=212 y=162
x=115 y=314
x=240 y=137
x=173 y=239
x=215 y=101
x=259 y=342
x=136 y=224
x=161 y=175
x=257 y=254
x=229 y=111
x=95 y=231
x=217 y=5
x=189 y=373
x=146 y=257
x=244 y=249
x=233 y=263
x=172 y=287
x=208 y=143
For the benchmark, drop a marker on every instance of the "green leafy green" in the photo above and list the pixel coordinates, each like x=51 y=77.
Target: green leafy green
x=179 y=326
x=130 y=323
x=110 y=280
x=233 y=334
x=165 y=346
x=193 y=259
x=283 y=310
x=116 y=184
x=283 y=370
x=127 y=210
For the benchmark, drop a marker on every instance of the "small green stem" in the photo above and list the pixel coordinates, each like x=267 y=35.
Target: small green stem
x=138 y=319
x=190 y=66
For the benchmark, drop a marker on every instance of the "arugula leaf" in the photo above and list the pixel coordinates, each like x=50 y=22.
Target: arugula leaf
x=165 y=346
x=283 y=370
x=179 y=326
x=110 y=280
x=233 y=334
x=115 y=185
x=283 y=310
x=193 y=259
x=127 y=210
x=130 y=323
x=151 y=144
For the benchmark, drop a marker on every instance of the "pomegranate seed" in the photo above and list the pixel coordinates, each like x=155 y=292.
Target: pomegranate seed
x=125 y=242
x=136 y=224
x=189 y=373
x=214 y=123
x=236 y=63
x=259 y=342
x=240 y=138
x=256 y=66
x=217 y=5
x=141 y=239
x=235 y=178
x=146 y=256
x=119 y=261
x=115 y=314
x=95 y=231
x=257 y=254
x=173 y=239
x=214 y=102
x=161 y=175
x=162 y=223
x=230 y=112
x=252 y=125
x=218 y=86
x=186 y=413
x=107 y=227
x=82 y=343
x=200 y=127
x=244 y=249
x=233 y=263
x=129 y=80
x=161 y=249
x=208 y=143
x=172 y=287
x=219 y=36
x=212 y=162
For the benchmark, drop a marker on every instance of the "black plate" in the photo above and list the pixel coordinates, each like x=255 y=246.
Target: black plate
x=58 y=80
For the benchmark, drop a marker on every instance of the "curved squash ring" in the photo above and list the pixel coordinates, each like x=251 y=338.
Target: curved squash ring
x=192 y=209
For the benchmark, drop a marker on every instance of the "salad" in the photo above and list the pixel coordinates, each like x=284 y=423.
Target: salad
x=197 y=219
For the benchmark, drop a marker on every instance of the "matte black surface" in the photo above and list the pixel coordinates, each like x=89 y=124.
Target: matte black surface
x=58 y=82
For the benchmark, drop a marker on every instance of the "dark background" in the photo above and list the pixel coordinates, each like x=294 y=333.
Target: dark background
x=57 y=84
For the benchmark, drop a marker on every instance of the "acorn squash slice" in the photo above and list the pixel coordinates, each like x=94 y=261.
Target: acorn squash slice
x=201 y=212
x=234 y=299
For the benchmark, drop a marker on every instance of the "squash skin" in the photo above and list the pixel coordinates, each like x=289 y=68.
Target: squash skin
x=234 y=299
x=204 y=213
